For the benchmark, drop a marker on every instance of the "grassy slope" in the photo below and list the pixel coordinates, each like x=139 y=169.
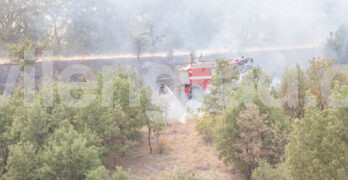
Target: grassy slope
x=184 y=149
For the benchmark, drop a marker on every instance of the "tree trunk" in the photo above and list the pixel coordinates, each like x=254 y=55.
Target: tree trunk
x=56 y=33
x=153 y=49
x=158 y=143
x=114 y=163
x=248 y=174
x=223 y=94
x=122 y=141
x=149 y=139
x=4 y=161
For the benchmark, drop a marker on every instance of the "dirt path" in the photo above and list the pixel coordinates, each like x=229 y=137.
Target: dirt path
x=184 y=149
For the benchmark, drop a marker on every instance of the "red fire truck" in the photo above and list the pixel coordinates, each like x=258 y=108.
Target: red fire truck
x=196 y=76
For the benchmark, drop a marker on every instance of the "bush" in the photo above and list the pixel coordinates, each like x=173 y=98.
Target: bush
x=317 y=148
x=17 y=53
x=245 y=135
x=98 y=174
x=177 y=174
x=266 y=171
x=205 y=127
x=120 y=174
x=18 y=56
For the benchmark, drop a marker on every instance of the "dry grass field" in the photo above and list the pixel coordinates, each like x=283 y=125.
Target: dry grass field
x=183 y=149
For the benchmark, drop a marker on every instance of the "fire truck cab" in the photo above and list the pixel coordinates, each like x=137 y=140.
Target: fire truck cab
x=197 y=76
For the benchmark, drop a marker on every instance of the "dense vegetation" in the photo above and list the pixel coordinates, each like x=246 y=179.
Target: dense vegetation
x=295 y=132
x=61 y=142
x=298 y=131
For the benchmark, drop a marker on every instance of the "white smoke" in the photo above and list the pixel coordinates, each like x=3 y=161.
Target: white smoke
x=173 y=110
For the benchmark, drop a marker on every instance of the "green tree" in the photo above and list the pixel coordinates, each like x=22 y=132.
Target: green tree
x=30 y=124
x=60 y=113
x=6 y=119
x=245 y=135
x=293 y=92
x=316 y=149
x=341 y=92
x=126 y=82
x=17 y=21
x=23 y=162
x=150 y=115
x=117 y=125
x=111 y=125
x=224 y=75
x=315 y=73
x=17 y=53
x=69 y=154
x=252 y=129
x=216 y=101
x=21 y=53
x=6 y=114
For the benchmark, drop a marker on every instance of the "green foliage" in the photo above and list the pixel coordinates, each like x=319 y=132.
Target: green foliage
x=60 y=142
x=30 y=124
x=69 y=154
x=315 y=73
x=266 y=172
x=252 y=129
x=150 y=115
x=117 y=125
x=120 y=174
x=222 y=81
x=177 y=174
x=317 y=149
x=98 y=174
x=17 y=54
x=20 y=53
x=23 y=162
x=216 y=101
x=342 y=113
x=206 y=126
x=158 y=128
x=6 y=119
x=245 y=135
x=6 y=114
x=293 y=98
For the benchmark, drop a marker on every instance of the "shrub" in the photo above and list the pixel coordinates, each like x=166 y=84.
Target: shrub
x=18 y=56
x=98 y=174
x=177 y=174
x=17 y=53
x=245 y=135
x=317 y=148
x=266 y=171
x=120 y=174
x=205 y=127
